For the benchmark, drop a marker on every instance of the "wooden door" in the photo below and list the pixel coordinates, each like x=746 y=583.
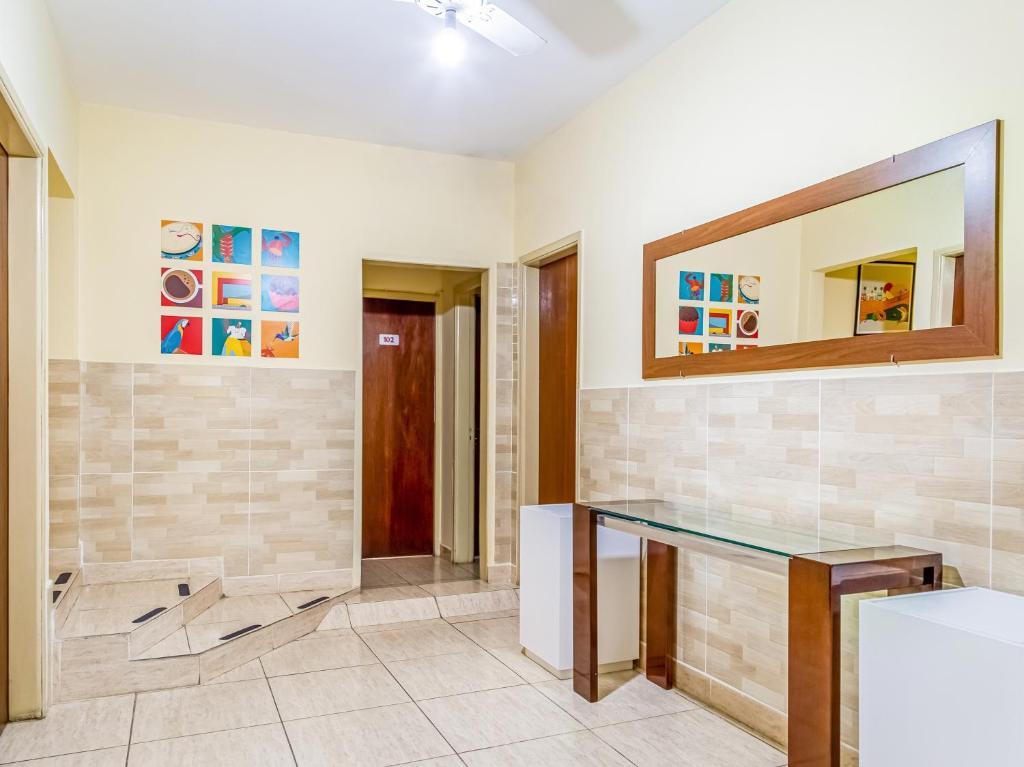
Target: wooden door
x=4 y=405
x=557 y=385
x=398 y=428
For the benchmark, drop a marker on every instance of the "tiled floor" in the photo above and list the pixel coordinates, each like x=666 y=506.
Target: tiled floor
x=427 y=692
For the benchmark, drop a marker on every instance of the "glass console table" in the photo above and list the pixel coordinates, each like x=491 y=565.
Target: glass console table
x=820 y=571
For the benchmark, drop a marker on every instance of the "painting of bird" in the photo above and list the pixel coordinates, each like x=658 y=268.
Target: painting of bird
x=171 y=343
x=286 y=334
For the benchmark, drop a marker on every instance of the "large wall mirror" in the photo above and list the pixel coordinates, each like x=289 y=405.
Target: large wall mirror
x=895 y=262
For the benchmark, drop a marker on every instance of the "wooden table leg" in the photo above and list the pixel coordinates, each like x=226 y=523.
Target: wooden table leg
x=813 y=666
x=584 y=602
x=817 y=584
x=661 y=613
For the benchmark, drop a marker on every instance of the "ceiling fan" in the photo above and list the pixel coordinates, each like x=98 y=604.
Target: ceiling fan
x=483 y=17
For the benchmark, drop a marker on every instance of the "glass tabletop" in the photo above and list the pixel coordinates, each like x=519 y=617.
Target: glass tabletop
x=747 y=530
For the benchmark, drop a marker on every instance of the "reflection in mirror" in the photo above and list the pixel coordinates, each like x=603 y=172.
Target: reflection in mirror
x=887 y=262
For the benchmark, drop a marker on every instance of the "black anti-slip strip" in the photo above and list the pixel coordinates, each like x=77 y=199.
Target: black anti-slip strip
x=184 y=590
x=56 y=595
x=312 y=602
x=152 y=613
x=63 y=578
x=239 y=633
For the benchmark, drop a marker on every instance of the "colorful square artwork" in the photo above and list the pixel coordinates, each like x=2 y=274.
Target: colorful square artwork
x=232 y=291
x=691 y=286
x=280 y=293
x=720 y=290
x=719 y=322
x=279 y=339
x=689 y=348
x=181 y=287
x=181 y=240
x=232 y=245
x=181 y=335
x=748 y=289
x=232 y=337
x=719 y=347
x=745 y=346
x=691 y=320
x=280 y=248
x=748 y=323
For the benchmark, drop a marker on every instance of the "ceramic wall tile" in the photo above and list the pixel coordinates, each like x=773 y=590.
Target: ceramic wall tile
x=301 y=521
x=106 y=517
x=1008 y=483
x=302 y=419
x=64 y=392
x=106 y=418
x=192 y=514
x=602 y=444
x=64 y=518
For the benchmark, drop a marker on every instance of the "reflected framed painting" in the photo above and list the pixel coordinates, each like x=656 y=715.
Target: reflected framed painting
x=885 y=297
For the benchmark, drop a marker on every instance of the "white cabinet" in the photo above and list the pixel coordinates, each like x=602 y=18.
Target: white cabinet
x=545 y=596
x=942 y=679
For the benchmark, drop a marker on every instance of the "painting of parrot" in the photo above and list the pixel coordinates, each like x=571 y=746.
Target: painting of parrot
x=181 y=335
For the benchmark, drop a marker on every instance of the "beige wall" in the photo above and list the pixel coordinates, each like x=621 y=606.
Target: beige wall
x=62 y=276
x=350 y=201
x=33 y=66
x=761 y=99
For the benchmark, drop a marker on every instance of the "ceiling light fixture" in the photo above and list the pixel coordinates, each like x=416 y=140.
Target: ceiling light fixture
x=449 y=47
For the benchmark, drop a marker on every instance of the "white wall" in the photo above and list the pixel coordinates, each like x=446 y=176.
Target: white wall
x=350 y=201
x=33 y=65
x=761 y=99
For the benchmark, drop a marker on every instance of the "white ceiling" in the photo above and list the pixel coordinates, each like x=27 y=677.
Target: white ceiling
x=361 y=69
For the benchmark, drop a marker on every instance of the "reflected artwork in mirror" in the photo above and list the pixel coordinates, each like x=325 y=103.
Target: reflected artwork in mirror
x=894 y=262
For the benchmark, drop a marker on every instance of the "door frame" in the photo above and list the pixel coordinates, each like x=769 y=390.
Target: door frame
x=465 y=441
x=27 y=646
x=478 y=283
x=529 y=279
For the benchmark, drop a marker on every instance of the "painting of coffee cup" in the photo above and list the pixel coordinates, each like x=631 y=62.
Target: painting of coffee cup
x=747 y=323
x=181 y=287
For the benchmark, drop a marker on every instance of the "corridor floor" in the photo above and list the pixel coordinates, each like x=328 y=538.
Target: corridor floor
x=434 y=693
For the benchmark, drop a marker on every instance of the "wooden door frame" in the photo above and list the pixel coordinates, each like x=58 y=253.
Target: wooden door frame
x=529 y=271
x=465 y=361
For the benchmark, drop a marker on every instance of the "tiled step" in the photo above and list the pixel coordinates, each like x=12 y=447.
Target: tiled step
x=64 y=590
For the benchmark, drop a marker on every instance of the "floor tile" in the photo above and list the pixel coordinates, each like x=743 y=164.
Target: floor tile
x=497 y=717
x=370 y=738
x=265 y=745
x=294 y=599
x=197 y=710
x=441 y=761
x=576 y=749
x=68 y=728
x=256 y=608
x=203 y=636
x=396 y=611
x=107 y=757
x=478 y=603
x=692 y=739
x=624 y=697
x=498 y=632
x=250 y=670
x=135 y=593
x=376 y=573
x=439 y=675
x=451 y=588
x=175 y=644
x=104 y=621
x=385 y=594
x=318 y=654
x=333 y=692
x=419 y=570
x=513 y=658
x=423 y=641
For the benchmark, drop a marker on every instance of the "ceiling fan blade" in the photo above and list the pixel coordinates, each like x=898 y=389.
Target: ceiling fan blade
x=506 y=32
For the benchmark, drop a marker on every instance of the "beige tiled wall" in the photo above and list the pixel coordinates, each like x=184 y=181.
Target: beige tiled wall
x=250 y=465
x=506 y=476
x=931 y=461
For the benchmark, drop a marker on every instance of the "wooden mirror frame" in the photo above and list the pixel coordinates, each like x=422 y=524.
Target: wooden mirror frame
x=977 y=150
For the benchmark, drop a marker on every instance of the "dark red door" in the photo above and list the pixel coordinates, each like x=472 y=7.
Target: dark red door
x=398 y=428
x=557 y=352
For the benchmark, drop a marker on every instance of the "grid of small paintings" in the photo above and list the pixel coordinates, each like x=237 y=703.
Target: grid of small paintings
x=224 y=298
x=718 y=312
